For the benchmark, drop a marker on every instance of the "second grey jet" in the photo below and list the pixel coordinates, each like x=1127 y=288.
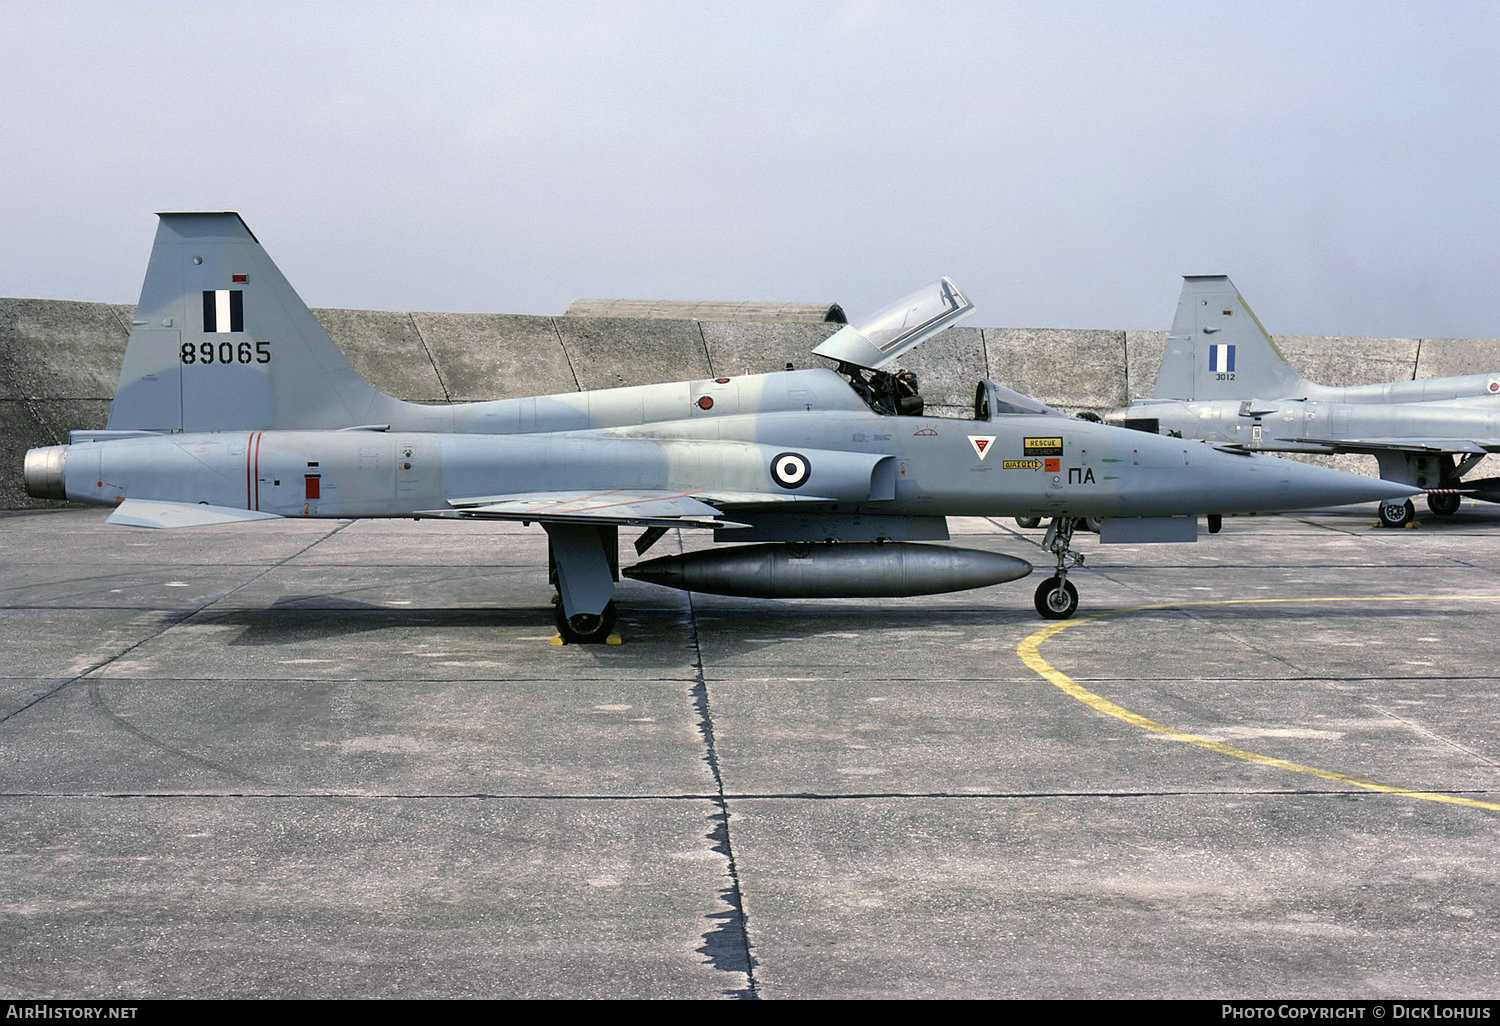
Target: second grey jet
x=1224 y=381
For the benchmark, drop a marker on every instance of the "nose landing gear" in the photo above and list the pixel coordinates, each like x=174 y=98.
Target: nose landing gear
x=1056 y=598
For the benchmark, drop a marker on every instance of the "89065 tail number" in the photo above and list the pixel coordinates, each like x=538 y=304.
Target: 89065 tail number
x=226 y=352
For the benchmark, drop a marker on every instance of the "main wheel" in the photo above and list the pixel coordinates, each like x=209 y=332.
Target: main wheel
x=585 y=628
x=1028 y=522
x=1090 y=524
x=1444 y=504
x=1397 y=514
x=1056 y=599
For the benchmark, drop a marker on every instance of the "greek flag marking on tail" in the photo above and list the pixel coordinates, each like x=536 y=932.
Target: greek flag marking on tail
x=1221 y=359
x=223 y=311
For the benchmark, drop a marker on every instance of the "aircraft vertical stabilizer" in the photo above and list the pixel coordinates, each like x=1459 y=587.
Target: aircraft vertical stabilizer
x=221 y=342
x=1218 y=348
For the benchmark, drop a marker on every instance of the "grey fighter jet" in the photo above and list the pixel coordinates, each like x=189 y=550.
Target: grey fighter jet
x=1224 y=381
x=235 y=405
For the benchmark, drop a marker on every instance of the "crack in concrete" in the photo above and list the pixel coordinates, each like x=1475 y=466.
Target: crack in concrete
x=412 y=320
x=577 y=386
x=727 y=945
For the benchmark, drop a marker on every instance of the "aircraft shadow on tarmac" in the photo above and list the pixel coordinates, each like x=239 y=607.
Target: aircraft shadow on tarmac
x=305 y=618
x=655 y=635
x=316 y=618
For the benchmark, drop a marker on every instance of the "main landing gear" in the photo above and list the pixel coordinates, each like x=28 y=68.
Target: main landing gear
x=1397 y=514
x=1442 y=474
x=585 y=628
x=1056 y=598
x=584 y=560
x=1444 y=504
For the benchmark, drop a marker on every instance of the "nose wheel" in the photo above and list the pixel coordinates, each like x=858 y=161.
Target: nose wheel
x=1056 y=598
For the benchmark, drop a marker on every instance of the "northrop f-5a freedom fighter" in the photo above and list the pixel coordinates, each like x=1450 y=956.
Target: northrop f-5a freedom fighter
x=235 y=405
x=1224 y=381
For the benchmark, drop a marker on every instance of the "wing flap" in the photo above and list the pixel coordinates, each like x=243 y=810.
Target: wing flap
x=642 y=508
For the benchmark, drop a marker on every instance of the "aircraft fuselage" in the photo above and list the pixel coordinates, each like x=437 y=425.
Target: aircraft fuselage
x=855 y=458
x=1312 y=425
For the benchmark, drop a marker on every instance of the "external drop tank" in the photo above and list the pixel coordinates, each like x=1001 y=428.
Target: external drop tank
x=851 y=570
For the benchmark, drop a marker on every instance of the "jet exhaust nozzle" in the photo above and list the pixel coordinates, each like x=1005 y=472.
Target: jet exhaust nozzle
x=851 y=570
x=43 y=472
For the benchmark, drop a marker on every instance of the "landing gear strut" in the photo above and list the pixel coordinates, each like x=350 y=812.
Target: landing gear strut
x=583 y=557
x=1056 y=598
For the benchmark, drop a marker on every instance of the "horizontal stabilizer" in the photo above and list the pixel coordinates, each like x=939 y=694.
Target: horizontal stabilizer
x=643 y=508
x=158 y=513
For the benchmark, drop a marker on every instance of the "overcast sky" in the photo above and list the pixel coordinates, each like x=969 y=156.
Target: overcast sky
x=1064 y=162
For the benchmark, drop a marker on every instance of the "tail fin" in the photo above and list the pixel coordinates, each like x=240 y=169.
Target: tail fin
x=1218 y=349
x=221 y=342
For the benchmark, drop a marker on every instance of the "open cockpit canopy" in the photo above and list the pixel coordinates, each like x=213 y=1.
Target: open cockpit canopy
x=868 y=349
x=881 y=339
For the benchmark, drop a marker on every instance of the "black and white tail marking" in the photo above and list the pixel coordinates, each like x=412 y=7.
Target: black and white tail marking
x=223 y=311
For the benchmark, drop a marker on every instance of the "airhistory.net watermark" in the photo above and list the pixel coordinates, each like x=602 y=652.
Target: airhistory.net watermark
x=38 y=1010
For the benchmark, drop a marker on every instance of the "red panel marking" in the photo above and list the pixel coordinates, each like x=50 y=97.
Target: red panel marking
x=249 y=445
x=627 y=502
x=581 y=498
x=258 y=436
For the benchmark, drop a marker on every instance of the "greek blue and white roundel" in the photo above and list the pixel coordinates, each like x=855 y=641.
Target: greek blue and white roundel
x=790 y=469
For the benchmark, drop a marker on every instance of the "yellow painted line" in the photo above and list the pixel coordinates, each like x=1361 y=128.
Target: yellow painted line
x=1030 y=652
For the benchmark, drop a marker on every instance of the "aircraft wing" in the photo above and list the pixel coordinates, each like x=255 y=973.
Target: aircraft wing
x=1374 y=446
x=618 y=506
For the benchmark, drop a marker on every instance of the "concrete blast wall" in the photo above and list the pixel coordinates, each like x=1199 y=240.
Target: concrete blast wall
x=59 y=362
